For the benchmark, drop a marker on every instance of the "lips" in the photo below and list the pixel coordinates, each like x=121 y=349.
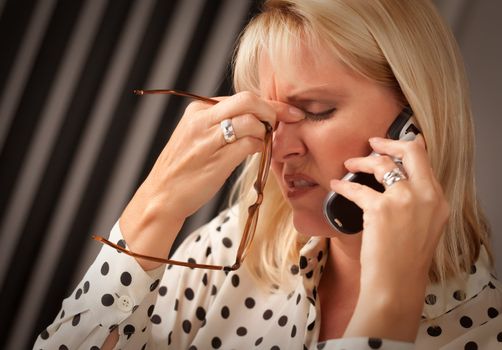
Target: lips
x=298 y=184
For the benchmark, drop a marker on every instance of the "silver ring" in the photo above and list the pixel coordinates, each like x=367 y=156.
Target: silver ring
x=228 y=130
x=393 y=176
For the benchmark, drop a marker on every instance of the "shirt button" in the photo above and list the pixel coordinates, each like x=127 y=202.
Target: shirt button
x=125 y=303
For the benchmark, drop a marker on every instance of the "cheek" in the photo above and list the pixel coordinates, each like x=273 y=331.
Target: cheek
x=333 y=146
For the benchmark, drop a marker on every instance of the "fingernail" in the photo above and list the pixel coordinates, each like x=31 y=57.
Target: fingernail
x=296 y=112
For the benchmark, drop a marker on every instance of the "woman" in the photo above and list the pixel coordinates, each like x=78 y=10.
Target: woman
x=330 y=76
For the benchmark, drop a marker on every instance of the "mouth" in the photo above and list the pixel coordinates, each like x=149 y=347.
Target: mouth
x=298 y=184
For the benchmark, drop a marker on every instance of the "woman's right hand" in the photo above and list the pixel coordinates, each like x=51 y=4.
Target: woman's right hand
x=194 y=165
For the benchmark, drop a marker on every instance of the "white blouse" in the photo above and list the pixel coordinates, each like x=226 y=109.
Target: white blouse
x=180 y=308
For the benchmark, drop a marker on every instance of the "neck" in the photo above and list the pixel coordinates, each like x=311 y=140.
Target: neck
x=339 y=286
x=343 y=259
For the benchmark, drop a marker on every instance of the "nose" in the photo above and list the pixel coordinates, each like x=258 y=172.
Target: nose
x=288 y=143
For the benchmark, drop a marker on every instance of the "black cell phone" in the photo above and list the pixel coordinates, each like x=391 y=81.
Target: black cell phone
x=343 y=214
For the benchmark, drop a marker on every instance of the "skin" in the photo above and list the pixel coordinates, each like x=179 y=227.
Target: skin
x=359 y=297
x=371 y=292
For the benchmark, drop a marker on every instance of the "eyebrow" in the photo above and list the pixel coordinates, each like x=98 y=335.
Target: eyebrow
x=308 y=94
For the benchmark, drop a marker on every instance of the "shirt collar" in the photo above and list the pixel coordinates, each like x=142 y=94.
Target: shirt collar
x=439 y=298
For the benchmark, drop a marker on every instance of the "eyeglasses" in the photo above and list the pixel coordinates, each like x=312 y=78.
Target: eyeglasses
x=253 y=210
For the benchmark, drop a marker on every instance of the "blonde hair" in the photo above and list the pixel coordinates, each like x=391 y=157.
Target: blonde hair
x=403 y=44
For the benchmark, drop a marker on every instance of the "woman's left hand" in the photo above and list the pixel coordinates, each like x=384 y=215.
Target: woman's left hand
x=402 y=226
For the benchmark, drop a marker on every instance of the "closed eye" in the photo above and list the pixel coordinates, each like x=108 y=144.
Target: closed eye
x=319 y=116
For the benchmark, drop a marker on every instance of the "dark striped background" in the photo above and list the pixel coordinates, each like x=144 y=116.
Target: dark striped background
x=75 y=143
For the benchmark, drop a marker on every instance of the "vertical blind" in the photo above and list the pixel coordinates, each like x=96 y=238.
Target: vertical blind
x=75 y=142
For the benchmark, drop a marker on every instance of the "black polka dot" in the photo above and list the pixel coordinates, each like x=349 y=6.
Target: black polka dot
x=491 y=285
x=125 y=278
x=319 y=255
x=225 y=312
x=76 y=320
x=214 y=290
x=473 y=269
x=112 y=327
x=176 y=305
x=275 y=347
x=434 y=331
x=499 y=337
x=78 y=294
x=282 y=321
x=466 y=322
x=44 y=335
x=96 y=347
x=208 y=251
x=430 y=299
x=121 y=243
x=242 y=331
x=311 y=326
x=227 y=242
x=198 y=238
x=294 y=269
x=162 y=291
x=86 y=286
x=192 y=347
x=459 y=295
x=107 y=300
x=200 y=313
x=298 y=299
x=258 y=341
x=303 y=262
x=235 y=280
x=204 y=279
x=63 y=347
x=216 y=343
x=192 y=261
x=142 y=348
x=293 y=331
x=249 y=302
x=62 y=314
x=321 y=346
x=471 y=346
x=150 y=310
x=189 y=294
x=169 y=338
x=154 y=285
x=309 y=274
x=187 y=326
x=156 y=319
x=492 y=312
x=129 y=329
x=374 y=343
x=267 y=314
x=105 y=268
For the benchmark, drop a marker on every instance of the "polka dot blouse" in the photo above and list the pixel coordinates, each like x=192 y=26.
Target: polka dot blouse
x=179 y=308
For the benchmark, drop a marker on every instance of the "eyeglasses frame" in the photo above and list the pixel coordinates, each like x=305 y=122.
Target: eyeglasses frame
x=253 y=210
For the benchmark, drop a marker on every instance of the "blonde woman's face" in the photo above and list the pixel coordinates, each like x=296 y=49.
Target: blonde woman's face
x=343 y=111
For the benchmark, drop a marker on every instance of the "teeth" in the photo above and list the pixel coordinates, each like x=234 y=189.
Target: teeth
x=302 y=183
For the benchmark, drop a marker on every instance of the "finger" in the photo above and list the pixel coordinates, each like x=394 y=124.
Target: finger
x=287 y=113
x=243 y=103
x=248 y=125
x=412 y=153
x=378 y=165
x=235 y=153
x=362 y=195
